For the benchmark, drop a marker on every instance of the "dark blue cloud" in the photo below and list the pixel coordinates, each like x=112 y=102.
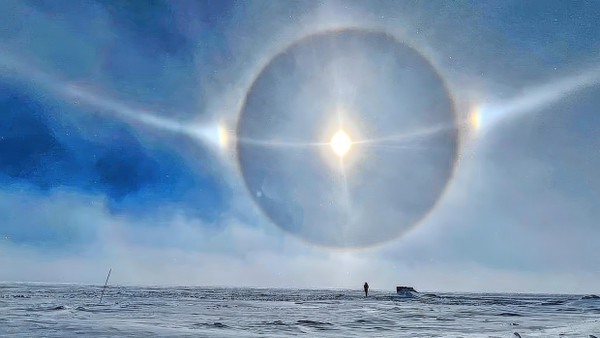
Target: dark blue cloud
x=40 y=149
x=156 y=53
x=142 y=53
x=151 y=24
x=27 y=145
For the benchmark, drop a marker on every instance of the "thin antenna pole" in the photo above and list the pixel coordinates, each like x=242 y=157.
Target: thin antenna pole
x=104 y=288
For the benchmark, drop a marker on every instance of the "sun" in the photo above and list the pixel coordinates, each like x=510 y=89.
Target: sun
x=340 y=143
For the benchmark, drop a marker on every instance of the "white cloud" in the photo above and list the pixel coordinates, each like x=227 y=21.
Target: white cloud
x=236 y=254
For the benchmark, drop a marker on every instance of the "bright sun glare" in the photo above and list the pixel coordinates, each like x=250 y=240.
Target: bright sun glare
x=340 y=143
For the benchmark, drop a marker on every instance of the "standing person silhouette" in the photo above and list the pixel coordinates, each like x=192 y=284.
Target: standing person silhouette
x=366 y=287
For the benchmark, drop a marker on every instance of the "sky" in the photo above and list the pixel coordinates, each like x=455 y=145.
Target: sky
x=188 y=143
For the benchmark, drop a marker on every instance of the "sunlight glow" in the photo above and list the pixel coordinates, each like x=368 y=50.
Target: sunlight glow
x=340 y=143
x=537 y=98
x=475 y=119
x=223 y=136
